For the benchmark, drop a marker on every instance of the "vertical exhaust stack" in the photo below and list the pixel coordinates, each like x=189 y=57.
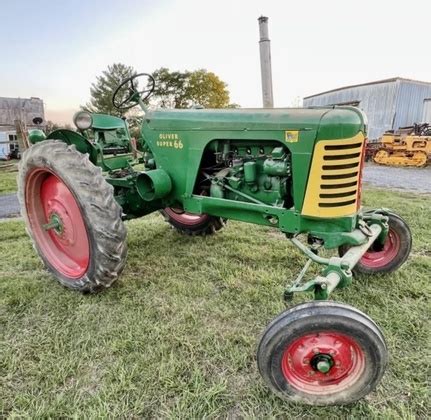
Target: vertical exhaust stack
x=265 y=63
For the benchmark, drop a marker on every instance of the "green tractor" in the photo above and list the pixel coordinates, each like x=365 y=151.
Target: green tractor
x=296 y=170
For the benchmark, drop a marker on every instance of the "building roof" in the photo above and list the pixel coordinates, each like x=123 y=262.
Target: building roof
x=377 y=82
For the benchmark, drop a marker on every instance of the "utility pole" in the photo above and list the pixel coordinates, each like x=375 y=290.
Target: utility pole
x=265 y=63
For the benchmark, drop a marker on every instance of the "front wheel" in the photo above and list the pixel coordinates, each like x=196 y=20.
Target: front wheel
x=72 y=216
x=322 y=353
x=389 y=257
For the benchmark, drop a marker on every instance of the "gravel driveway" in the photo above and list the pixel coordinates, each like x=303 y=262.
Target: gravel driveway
x=398 y=178
x=409 y=179
x=9 y=206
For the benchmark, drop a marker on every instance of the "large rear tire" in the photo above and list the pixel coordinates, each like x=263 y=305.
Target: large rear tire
x=322 y=353
x=71 y=216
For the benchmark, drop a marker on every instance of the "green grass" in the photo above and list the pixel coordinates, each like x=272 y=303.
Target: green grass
x=176 y=336
x=7 y=180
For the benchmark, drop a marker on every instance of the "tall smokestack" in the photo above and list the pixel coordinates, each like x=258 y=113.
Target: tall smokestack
x=265 y=63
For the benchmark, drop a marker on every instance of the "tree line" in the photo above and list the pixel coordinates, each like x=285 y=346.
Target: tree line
x=173 y=89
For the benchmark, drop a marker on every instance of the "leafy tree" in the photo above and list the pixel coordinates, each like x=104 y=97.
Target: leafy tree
x=206 y=89
x=174 y=89
x=104 y=88
x=171 y=89
x=186 y=89
x=52 y=126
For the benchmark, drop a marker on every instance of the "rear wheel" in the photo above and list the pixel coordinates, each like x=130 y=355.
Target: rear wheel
x=71 y=216
x=192 y=224
x=322 y=353
x=389 y=257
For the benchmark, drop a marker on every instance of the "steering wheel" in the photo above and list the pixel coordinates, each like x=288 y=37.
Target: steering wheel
x=128 y=91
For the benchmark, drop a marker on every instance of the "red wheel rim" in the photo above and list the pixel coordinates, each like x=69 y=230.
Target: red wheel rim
x=380 y=258
x=66 y=246
x=301 y=359
x=188 y=219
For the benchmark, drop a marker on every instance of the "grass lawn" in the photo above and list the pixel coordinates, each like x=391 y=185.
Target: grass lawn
x=7 y=178
x=176 y=335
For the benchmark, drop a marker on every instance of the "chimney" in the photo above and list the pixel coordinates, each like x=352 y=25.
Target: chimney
x=265 y=63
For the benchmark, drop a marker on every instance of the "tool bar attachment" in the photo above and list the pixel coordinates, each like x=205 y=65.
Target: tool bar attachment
x=338 y=271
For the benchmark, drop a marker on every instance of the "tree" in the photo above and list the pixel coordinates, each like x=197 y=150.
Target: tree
x=207 y=90
x=104 y=88
x=170 y=90
x=187 y=89
x=173 y=89
x=52 y=126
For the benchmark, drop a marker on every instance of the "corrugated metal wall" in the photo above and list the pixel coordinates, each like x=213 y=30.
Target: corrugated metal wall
x=378 y=101
x=410 y=103
x=426 y=114
x=388 y=105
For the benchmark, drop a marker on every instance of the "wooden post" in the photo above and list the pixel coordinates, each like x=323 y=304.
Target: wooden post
x=21 y=134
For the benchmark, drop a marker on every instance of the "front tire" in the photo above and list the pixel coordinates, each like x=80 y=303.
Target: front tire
x=389 y=257
x=322 y=353
x=71 y=216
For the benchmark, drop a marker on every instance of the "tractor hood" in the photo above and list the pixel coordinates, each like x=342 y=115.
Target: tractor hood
x=107 y=122
x=342 y=121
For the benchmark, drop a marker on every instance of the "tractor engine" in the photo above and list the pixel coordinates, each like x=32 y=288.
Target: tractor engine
x=257 y=172
x=113 y=141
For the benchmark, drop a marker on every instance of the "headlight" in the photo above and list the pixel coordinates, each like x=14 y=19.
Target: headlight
x=83 y=120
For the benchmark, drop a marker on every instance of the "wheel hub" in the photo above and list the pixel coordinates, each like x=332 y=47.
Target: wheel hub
x=321 y=361
x=378 y=256
x=54 y=223
x=57 y=223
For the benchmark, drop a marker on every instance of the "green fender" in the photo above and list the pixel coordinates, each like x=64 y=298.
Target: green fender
x=82 y=144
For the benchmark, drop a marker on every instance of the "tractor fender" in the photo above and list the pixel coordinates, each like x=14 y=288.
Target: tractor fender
x=83 y=145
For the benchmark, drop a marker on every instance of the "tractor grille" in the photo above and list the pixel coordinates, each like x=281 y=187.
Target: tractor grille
x=332 y=189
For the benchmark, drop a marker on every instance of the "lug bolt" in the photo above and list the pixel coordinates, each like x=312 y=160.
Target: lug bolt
x=306 y=361
x=316 y=350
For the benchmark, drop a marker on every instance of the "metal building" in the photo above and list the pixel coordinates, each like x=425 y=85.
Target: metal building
x=389 y=104
x=13 y=110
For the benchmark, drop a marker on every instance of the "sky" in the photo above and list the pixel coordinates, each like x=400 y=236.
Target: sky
x=54 y=50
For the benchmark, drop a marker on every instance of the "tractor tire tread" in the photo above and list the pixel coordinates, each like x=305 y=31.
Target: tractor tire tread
x=325 y=315
x=100 y=211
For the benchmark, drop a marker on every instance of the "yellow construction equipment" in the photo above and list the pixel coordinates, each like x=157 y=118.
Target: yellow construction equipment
x=410 y=146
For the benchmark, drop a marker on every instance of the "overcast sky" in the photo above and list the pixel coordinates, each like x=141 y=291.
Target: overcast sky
x=55 y=49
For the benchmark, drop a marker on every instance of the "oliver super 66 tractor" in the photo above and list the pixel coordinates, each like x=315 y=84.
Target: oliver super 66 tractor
x=298 y=170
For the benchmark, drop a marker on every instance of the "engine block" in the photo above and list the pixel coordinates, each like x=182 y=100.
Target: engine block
x=253 y=172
